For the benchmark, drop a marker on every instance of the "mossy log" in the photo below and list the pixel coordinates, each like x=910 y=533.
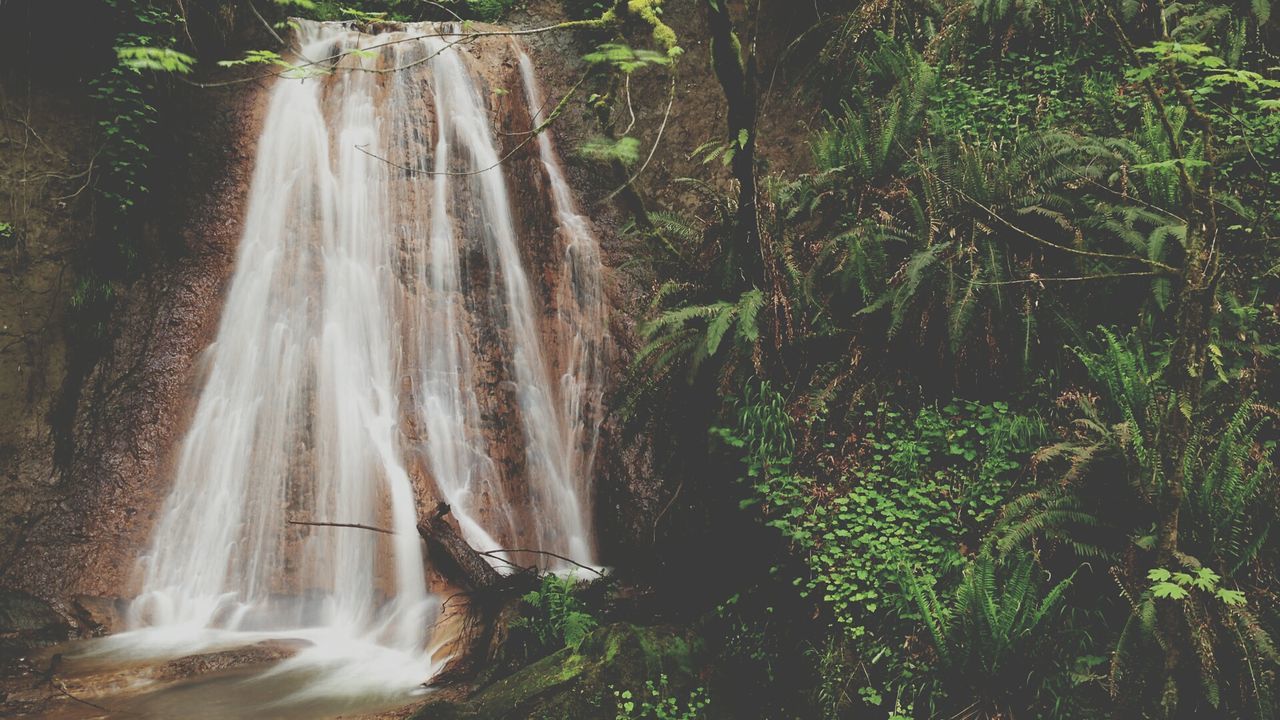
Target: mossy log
x=579 y=683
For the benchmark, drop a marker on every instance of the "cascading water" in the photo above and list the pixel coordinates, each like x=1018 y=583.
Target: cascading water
x=385 y=344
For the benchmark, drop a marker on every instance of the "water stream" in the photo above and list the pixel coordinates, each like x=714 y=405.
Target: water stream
x=396 y=333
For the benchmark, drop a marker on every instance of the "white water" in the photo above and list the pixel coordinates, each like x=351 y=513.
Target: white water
x=360 y=340
x=582 y=311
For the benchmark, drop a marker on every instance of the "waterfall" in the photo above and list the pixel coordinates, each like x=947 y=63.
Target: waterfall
x=397 y=333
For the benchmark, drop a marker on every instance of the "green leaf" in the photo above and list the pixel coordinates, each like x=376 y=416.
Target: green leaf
x=143 y=57
x=1169 y=590
x=1206 y=579
x=625 y=58
x=1172 y=164
x=625 y=150
x=1230 y=597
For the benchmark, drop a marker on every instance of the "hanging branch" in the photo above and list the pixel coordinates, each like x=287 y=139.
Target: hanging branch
x=1036 y=238
x=653 y=149
x=497 y=553
x=432 y=531
x=555 y=113
x=449 y=552
x=457 y=38
x=358 y=526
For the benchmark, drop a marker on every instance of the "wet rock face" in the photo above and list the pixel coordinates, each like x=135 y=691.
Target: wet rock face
x=76 y=526
x=263 y=653
x=26 y=621
x=57 y=684
x=43 y=137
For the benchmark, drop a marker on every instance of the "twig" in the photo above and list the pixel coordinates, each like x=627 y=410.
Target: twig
x=264 y=22
x=1032 y=236
x=358 y=526
x=656 y=140
x=559 y=110
x=496 y=555
x=455 y=15
x=461 y=37
x=58 y=685
x=626 y=86
x=88 y=178
x=490 y=553
x=1081 y=278
x=667 y=507
x=487 y=553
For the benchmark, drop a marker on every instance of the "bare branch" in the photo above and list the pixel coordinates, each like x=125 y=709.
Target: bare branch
x=493 y=553
x=358 y=526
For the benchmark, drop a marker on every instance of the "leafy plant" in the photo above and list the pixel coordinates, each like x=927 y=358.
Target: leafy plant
x=997 y=639
x=656 y=702
x=1178 y=585
x=625 y=150
x=624 y=58
x=556 y=617
x=123 y=92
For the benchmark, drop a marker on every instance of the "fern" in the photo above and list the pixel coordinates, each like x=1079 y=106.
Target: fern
x=556 y=617
x=994 y=631
x=1054 y=514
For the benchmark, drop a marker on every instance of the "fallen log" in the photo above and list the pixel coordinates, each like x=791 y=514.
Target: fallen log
x=487 y=595
x=450 y=555
x=453 y=556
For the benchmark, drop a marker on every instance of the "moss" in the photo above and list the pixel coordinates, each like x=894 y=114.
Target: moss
x=663 y=35
x=648 y=11
x=577 y=684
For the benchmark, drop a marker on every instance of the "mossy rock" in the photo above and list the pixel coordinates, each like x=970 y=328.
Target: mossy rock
x=579 y=683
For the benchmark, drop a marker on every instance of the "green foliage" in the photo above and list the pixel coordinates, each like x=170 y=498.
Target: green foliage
x=624 y=58
x=997 y=639
x=142 y=57
x=1052 y=514
x=1018 y=94
x=923 y=485
x=625 y=150
x=1226 y=520
x=258 y=57
x=837 y=682
x=1234 y=652
x=656 y=702
x=724 y=151
x=556 y=617
x=687 y=335
x=918 y=486
x=862 y=146
x=991 y=182
x=1028 y=14
x=144 y=53
x=489 y=10
x=1230 y=503
x=1178 y=585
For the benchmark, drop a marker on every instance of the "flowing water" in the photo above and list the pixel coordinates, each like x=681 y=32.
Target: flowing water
x=416 y=316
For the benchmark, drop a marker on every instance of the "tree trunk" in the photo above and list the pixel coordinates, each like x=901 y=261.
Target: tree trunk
x=736 y=76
